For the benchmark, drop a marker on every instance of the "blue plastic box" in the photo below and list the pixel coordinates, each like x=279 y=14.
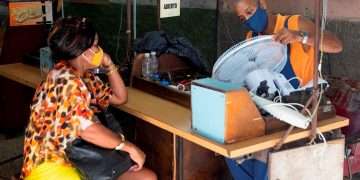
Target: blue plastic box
x=224 y=112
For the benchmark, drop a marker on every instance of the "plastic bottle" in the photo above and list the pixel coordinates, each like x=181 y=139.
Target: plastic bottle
x=146 y=67
x=154 y=65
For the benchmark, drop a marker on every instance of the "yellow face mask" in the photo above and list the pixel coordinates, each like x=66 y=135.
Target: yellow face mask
x=97 y=58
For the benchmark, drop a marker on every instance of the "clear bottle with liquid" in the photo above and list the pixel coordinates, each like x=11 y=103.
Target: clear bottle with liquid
x=154 y=65
x=146 y=67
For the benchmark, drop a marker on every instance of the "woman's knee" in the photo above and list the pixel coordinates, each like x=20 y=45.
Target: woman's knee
x=144 y=174
x=149 y=175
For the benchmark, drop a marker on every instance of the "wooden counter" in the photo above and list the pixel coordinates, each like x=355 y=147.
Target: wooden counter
x=175 y=118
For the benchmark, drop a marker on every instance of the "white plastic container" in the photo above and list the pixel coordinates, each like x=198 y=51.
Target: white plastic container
x=154 y=63
x=146 y=67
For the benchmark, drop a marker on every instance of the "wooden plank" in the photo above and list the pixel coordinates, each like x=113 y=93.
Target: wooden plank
x=167 y=115
x=21 y=73
x=167 y=93
x=88 y=1
x=265 y=142
x=177 y=119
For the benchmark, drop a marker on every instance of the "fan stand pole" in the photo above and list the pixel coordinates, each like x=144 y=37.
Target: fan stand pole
x=314 y=99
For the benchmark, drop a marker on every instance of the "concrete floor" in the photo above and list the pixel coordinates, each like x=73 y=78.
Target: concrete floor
x=12 y=147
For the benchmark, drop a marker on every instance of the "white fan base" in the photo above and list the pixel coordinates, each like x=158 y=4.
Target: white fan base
x=283 y=113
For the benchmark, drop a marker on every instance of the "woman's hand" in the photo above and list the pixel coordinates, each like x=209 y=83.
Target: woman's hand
x=96 y=133
x=106 y=62
x=116 y=83
x=136 y=155
x=286 y=36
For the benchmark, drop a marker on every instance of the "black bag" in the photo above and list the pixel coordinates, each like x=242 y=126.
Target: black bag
x=96 y=163
x=161 y=42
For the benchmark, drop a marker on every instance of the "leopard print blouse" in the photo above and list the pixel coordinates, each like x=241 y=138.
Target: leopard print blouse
x=63 y=105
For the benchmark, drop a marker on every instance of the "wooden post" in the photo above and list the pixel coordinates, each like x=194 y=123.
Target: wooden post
x=128 y=30
x=314 y=99
x=158 y=15
x=318 y=16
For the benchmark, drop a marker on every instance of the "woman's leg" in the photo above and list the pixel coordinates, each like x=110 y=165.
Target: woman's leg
x=143 y=174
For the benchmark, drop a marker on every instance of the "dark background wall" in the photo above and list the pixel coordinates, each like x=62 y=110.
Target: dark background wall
x=213 y=33
x=197 y=24
x=347 y=63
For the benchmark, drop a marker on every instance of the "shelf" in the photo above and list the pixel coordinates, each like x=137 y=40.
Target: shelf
x=176 y=119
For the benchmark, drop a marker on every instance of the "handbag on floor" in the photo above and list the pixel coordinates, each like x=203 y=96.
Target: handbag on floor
x=322 y=161
x=96 y=163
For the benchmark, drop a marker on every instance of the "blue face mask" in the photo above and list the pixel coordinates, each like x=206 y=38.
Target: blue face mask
x=258 y=22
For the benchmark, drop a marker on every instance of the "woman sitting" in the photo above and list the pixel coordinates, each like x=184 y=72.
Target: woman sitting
x=62 y=111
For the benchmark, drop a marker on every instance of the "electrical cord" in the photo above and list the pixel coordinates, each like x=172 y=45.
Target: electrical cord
x=296 y=78
x=278 y=99
x=119 y=32
x=348 y=161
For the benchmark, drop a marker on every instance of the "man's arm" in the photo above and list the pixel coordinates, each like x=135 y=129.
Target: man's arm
x=331 y=44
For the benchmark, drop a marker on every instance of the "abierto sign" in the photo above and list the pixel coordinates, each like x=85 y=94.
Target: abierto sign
x=169 y=8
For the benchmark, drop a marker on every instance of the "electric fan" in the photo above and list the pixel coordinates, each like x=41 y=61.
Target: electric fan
x=253 y=62
x=261 y=52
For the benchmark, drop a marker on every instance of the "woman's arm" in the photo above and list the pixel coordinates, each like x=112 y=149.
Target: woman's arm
x=116 y=83
x=103 y=137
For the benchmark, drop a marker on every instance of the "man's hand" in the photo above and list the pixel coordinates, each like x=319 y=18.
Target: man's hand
x=286 y=36
x=136 y=155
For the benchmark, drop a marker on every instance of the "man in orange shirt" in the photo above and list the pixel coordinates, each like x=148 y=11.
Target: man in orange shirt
x=293 y=30
x=299 y=34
